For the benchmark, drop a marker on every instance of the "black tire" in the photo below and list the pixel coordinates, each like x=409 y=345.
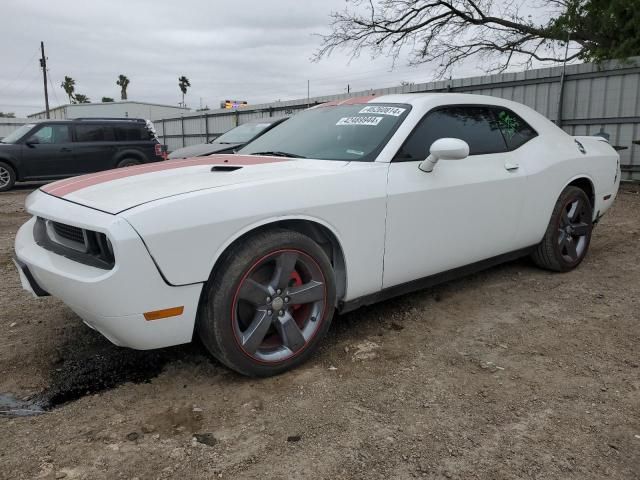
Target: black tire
x=568 y=235
x=224 y=312
x=7 y=177
x=128 y=162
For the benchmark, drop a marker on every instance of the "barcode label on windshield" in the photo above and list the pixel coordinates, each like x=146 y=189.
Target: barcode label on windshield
x=369 y=120
x=395 y=111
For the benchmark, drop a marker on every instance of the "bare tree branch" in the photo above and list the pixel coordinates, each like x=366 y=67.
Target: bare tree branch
x=446 y=32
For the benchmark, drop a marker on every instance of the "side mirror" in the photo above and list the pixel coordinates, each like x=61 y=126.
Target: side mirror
x=445 y=149
x=31 y=142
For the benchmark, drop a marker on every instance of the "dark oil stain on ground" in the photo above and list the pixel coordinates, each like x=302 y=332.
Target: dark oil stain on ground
x=87 y=368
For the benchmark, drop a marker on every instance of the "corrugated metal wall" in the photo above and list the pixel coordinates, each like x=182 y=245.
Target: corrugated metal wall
x=603 y=98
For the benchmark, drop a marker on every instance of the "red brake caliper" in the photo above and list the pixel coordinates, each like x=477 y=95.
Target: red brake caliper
x=297 y=281
x=295 y=310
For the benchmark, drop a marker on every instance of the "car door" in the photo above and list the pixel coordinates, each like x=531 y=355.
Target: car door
x=94 y=147
x=48 y=152
x=462 y=212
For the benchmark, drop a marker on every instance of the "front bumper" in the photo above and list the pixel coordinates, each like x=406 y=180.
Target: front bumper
x=110 y=301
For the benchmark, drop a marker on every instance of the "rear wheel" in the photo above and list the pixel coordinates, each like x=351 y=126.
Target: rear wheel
x=268 y=305
x=568 y=235
x=128 y=162
x=7 y=177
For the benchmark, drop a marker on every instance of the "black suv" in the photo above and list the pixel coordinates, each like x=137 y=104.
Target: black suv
x=55 y=149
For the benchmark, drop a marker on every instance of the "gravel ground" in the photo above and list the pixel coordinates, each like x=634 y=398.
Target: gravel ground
x=511 y=373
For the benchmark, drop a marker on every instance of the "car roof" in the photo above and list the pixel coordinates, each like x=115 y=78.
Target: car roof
x=267 y=120
x=92 y=120
x=421 y=98
x=429 y=100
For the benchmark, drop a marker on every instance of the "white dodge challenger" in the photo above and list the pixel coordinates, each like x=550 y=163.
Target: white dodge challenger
x=345 y=204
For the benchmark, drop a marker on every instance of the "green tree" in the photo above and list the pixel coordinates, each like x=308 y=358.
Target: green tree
x=69 y=86
x=82 y=98
x=123 y=83
x=107 y=99
x=7 y=115
x=501 y=34
x=183 y=83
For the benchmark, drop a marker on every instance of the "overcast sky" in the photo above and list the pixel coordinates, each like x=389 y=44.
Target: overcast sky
x=254 y=50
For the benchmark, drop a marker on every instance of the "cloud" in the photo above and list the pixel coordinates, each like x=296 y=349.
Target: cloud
x=252 y=50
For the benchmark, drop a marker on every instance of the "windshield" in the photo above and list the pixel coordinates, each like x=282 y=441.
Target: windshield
x=243 y=133
x=341 y=132
x=16 y=135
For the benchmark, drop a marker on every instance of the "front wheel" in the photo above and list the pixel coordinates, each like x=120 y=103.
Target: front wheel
x=268 y=304
x=568 y=235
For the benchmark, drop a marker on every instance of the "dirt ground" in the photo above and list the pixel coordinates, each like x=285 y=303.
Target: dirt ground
x=511 y=373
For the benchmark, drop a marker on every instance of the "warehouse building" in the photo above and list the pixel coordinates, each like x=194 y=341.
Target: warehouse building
x=125 y=108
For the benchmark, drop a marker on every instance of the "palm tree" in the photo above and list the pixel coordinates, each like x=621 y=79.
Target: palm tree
x=123 y=83
x=69 y=86
x=183 y=83
x=82 y=98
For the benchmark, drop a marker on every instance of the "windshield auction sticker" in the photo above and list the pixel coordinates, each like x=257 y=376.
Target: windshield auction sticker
x=395 y=111
x=368 y=120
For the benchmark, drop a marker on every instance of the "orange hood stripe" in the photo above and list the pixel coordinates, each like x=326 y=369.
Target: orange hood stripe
x=70 y=185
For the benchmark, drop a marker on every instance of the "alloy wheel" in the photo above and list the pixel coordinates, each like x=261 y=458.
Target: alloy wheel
x=5 y=177
x=574 y=229
x=279 y=305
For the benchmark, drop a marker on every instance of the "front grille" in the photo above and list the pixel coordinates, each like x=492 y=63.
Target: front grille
x=84 y=246
x=69 y=232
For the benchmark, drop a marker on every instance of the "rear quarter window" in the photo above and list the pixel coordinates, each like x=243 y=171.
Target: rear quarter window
x=132 y=133
x=515 y=130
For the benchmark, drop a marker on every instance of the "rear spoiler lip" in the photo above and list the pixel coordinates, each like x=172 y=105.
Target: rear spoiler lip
x=592 y=137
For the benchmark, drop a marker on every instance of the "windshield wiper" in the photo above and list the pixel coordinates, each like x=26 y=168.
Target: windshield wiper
x=279 y=154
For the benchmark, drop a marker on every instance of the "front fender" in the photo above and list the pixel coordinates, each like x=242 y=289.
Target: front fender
x=186 y=234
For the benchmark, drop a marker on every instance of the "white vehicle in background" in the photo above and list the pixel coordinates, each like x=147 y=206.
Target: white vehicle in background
x=343 y=205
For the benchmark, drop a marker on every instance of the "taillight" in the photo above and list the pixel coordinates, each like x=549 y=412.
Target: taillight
x=158 y=150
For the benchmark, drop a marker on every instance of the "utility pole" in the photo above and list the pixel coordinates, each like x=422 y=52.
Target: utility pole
x=348 y=88
x=43 y=64
x=307 y=93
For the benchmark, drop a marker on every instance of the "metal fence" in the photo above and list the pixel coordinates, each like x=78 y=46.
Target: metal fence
x=595 y=98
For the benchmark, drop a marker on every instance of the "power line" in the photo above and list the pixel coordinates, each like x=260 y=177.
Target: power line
x=27 y=84
x=10 y=84
x=355 y=80
x=338 y=79
x=20 y=105
x=55 y=95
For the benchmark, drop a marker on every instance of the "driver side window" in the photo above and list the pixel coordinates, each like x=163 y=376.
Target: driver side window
x=51 y=134
x=473 y=124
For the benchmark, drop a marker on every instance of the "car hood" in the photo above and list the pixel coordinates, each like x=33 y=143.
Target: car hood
x=202 y=149
x=114 y=191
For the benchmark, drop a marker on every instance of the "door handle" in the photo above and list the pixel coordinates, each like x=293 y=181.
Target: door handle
x=65 y=149
x=509 y=166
